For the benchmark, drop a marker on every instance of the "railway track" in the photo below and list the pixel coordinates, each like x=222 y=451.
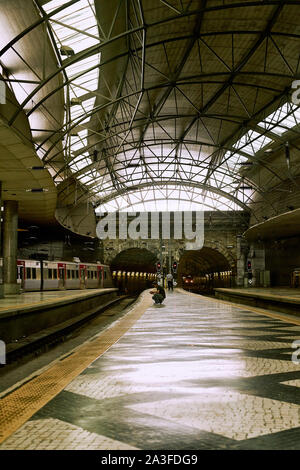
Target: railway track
x=36 y=344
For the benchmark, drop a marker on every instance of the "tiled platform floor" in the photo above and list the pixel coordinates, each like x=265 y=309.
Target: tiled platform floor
x=193 y=374
x=283 y=293
x=33 y=299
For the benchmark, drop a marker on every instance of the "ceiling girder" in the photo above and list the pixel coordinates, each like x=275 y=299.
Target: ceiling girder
x=131 y=91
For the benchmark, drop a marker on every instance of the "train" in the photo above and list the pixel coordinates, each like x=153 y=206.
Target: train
x=61 y=275
x=208 y=282
x=37 y=275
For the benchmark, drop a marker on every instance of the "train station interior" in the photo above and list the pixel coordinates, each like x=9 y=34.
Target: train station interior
x=149 y=225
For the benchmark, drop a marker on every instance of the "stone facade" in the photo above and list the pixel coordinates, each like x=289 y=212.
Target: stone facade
x=225 y=242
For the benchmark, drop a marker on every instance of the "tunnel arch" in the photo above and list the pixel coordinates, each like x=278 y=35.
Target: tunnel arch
x=133 y=270
x=204 y=261
x=134 y=259
x=220 y=248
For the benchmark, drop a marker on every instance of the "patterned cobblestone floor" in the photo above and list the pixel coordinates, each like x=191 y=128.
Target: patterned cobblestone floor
x=194 y=374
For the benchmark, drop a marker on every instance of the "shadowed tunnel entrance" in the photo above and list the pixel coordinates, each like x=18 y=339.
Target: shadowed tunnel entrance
x=133 y=270
x=202 y=270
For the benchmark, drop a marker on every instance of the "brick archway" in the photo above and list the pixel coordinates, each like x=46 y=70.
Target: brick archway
x=219 y=246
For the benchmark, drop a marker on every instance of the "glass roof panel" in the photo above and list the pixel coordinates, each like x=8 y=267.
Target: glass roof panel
x=164 y=160
x=252 y=142
x=170 y=198
x=77 y=28
x=285 y=118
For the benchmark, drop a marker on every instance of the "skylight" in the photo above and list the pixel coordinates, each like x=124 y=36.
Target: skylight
x=167 y=198
x=282 y=120
x=75 y=30
x=252 y=142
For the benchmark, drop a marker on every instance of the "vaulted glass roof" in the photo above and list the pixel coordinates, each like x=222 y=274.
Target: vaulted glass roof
x=164 y=103
x=167 y=198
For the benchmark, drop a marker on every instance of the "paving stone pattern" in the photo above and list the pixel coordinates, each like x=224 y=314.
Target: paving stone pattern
x=194 y=374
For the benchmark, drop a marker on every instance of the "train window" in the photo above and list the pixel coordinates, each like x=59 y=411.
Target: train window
x=33 y=273
x=28 y=273
x=55 y=273
x=49 y=273
x=77 y=274
x=105 y=274
x=68 y=274
x=89 y=274
x=73 y=274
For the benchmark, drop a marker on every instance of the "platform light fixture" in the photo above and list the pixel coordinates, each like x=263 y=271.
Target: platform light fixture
x=95 y=156
x=37 y=190
x=67 y=51
x=76 y=102
x=287 y=154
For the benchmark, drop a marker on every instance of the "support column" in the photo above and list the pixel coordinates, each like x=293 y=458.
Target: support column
x=261 y=277
x=240 y=264
x=10 y=247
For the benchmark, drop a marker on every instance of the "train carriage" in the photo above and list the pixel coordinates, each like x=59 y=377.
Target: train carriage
x=59 y=275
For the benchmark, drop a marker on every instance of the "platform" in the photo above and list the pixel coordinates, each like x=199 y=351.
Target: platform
x=280 y=299
x=196 y=373
x=30 y=312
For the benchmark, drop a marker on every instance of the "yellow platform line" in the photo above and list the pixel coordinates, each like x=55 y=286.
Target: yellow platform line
x=21 y=404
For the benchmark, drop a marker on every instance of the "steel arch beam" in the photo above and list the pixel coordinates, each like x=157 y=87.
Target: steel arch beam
x=169 y=183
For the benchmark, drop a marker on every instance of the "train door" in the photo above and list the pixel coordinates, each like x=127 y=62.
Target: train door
x=21 y=274
x=100 y=276
x=82 y=276
x=61 y=276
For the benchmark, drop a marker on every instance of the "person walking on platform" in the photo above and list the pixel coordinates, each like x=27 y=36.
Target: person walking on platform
x=170 y=281
x=159 y=293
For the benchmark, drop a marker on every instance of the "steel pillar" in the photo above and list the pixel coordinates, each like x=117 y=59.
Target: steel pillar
x=10 y=247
